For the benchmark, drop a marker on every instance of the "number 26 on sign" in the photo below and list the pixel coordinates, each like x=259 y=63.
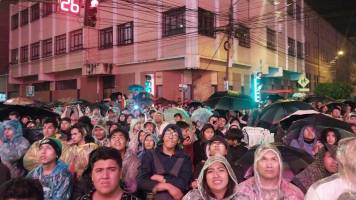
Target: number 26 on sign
x=72 y=6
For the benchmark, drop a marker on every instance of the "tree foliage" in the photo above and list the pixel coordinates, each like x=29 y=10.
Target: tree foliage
x=334 y=90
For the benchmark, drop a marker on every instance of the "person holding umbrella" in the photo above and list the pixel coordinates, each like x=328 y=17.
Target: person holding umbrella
x=267 y=182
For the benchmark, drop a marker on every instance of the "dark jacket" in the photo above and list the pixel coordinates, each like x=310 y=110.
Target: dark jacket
x=199 y=152
x=149 y=167
x=4 y=173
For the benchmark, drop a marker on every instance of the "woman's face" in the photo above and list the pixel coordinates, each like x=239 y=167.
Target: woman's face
x=217 y=148
x=149 y=143
x=208 y=133
x=129 y=119
x=330 y=163
x=142 y=136
x=113 y=127
x=217 y=177
x=122 y=118
x=331 y=138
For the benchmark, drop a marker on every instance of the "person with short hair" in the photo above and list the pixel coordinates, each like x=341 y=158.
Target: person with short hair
x=64 y=129
x=14 y=115
x=21 y=188
x=49 y=129
x=53 y=173
x=105 y=166
x=177 y=117
x=167 y=170
x=12 y=147
x=268 y=182
x=335 y=186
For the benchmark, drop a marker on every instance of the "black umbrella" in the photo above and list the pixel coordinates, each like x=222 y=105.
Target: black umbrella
x=274 y=97
x=273 y=113
x=314 y=98
x=320 y=122
x=230 y=101
x=195 y=104
x=295 y=159
x=164 y=102
x=31 y=111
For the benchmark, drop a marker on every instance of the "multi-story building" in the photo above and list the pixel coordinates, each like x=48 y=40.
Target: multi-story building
x=328 y=53
x=170 y=43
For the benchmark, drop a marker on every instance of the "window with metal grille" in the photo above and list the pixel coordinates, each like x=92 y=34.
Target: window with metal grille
x=242 y=33
x=35 y=12
x=14 y=21
x=291 y=47
x=24 y=53
x=125 y=34
x=105 y=38
x=206 y=22
x=24 y=17
x=45 y=86
x=47 y=9
x=76 y=40
x=60 y=44
x=290 y=8
x=173 y=22
x=35 y=51
x=271 y=39
x=47 y=48
x=300 y=50
x=66 y=84
x=14 y=56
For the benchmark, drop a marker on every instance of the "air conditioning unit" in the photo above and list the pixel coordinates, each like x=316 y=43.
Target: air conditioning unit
x=99 y=69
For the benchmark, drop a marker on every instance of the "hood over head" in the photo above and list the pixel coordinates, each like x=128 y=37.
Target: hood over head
x=16 y=127
x=207 y=164
x=101 y=124
x=345 y=156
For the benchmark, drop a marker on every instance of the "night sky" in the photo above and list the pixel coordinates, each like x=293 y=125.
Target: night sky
x=340 y=13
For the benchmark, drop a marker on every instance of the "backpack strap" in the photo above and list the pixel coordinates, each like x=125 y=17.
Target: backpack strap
x=176 y=167
x=157 y=163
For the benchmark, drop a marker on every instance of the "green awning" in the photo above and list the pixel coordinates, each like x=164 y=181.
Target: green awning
x=291 y=75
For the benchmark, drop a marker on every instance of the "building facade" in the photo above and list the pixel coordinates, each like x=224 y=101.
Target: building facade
x=178 y=46
x=329 y=55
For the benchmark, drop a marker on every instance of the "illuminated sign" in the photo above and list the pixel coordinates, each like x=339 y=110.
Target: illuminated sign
x=257 y=87
x=69 y=6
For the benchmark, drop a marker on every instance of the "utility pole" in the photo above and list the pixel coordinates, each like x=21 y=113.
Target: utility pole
x=228 y=45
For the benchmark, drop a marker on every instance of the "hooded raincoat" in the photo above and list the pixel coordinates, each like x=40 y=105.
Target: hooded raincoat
x=105 y=141
x=12 y=150
x=202 y=194
x=300 y=143
x=253 y=188
x=335 y=187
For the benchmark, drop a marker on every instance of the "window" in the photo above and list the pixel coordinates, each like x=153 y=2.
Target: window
x=47 y=9
x=24 y=54
x=14 y=56
x=206 y=22
x=105 y=38
x=45 y=86
x=300 y=50
x=24 y=17
x=61 y=44
x=242 y=33
x=66 y=84
x=125 y=34
x=271 y=39
x=35 y=51
x=290 y=8
x=291 y=47
x=76 y=40
x=14 y=21
x=173 y=21
x=35 y=12
x=47 y=48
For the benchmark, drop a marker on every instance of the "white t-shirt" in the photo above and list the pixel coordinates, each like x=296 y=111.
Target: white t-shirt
x=329 y=188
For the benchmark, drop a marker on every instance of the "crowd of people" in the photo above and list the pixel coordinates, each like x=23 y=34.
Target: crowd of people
x=134 y=153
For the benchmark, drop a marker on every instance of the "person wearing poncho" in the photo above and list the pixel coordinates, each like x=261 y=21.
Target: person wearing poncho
x=216 y=181
x=267 y=182
x=12 y=146
x=341 y=184
x=100 y=134
x=77 y=154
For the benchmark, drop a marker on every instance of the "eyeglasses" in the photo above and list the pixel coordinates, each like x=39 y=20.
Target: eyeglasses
x=172 y=133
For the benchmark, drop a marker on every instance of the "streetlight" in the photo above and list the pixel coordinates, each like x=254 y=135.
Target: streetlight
x=340 y=53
